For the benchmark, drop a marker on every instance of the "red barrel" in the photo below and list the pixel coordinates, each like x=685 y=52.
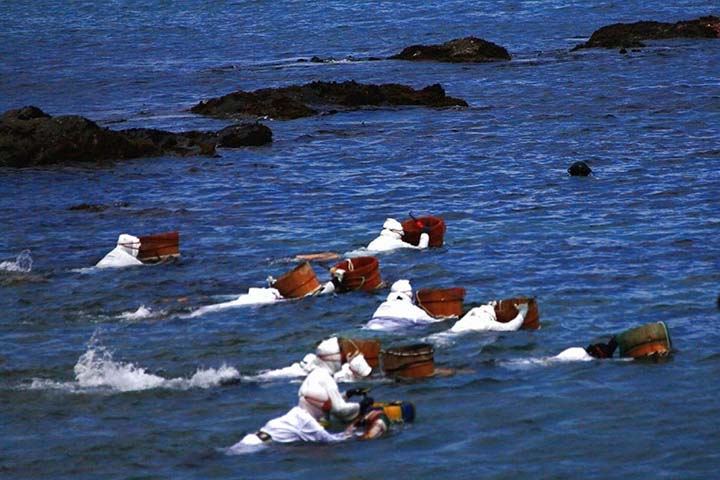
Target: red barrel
x=298 y=282
x=368 y=347
x=441 y=302
x=361 y=273
x=505 y=311
x=159 y=246
x=412 y=231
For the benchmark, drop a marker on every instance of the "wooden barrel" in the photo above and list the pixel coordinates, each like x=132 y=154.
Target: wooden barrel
x=368 y=347
x=413 y=361
x=647 y=340
x=361 y=273
x=441 y=302
x=412 y=231
x=298 y=282
x=505 y=311
x=160 y=246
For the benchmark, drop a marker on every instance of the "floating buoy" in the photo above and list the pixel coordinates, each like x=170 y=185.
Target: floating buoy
x=368 y=347
x=505 y=311
x=441 y=302
x=298 y=282
x=411 y=230
x=413 y=361
x=579 y=169
x=361 y=273
x=160 y=246
x=647 y=340
x=398 y=411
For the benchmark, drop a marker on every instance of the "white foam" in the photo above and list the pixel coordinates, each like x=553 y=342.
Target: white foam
x=141 y=313
x=97 y=370
x=23 y=263
x=255 y=296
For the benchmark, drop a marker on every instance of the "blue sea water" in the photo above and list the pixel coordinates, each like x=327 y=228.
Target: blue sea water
x=103 y=375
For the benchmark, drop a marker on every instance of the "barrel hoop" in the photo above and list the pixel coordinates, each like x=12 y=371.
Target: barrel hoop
x=408 y=365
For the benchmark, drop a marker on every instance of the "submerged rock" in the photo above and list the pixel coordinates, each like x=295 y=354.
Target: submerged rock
x=299 y=101
x=631 y=35
x=469 y=50
x=579 y=169
x=30 y=137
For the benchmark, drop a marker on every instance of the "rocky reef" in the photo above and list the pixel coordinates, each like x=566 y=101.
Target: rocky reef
x=631 y=35
x=31 y=137
x=468 y=50
x=298 y=101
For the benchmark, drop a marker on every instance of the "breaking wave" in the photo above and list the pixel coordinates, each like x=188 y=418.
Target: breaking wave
x=23 y=263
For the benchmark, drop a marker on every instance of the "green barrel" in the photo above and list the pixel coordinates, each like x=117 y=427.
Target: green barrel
x=644 y=341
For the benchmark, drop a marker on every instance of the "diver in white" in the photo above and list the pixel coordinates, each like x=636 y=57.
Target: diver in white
x=483 y=318
x=391 y=238
x=318 y=397
x=123 y=255
x=356 y=368
x=319 y=393
x=297 y=425
x=398 y=310
x=591 y=352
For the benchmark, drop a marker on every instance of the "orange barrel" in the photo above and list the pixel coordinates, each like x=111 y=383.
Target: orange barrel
x=298 y=282
x=648 y=340
x=441 y=302
x=412 y=231
x=361 y=273
x=369 y=348
x=505 y=311
x=159 y=246
x=414 y=361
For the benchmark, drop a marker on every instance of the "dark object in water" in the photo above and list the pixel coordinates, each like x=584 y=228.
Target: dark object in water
x=579 y=169
x=630 y=35
x=460 y=50
x=441 y=302
x=298 y=101
x=412 y=231
x=650 y=340
x=158 y=247
x=413 y=361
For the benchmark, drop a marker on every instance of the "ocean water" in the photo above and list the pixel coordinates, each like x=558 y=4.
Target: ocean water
x=107 y=374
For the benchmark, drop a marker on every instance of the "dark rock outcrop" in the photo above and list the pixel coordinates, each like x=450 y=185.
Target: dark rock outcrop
x=631 y=35
x=30 y=137
x=579 y=169
x=299 y=101
x=467 y=50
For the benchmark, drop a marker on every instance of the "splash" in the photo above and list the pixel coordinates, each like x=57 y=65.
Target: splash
x=141 y=313
x=96 y=370
x=23 y=263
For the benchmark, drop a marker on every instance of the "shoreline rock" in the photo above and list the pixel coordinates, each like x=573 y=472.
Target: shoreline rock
x=298 y=101
x=631 y=35
x=31 y=137
x=461 y=50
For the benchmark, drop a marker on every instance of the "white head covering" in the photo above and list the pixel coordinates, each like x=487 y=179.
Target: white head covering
x=402 y=286
x=329 y=352
x=129 y=244
x=359 y=366
x=392 y=224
